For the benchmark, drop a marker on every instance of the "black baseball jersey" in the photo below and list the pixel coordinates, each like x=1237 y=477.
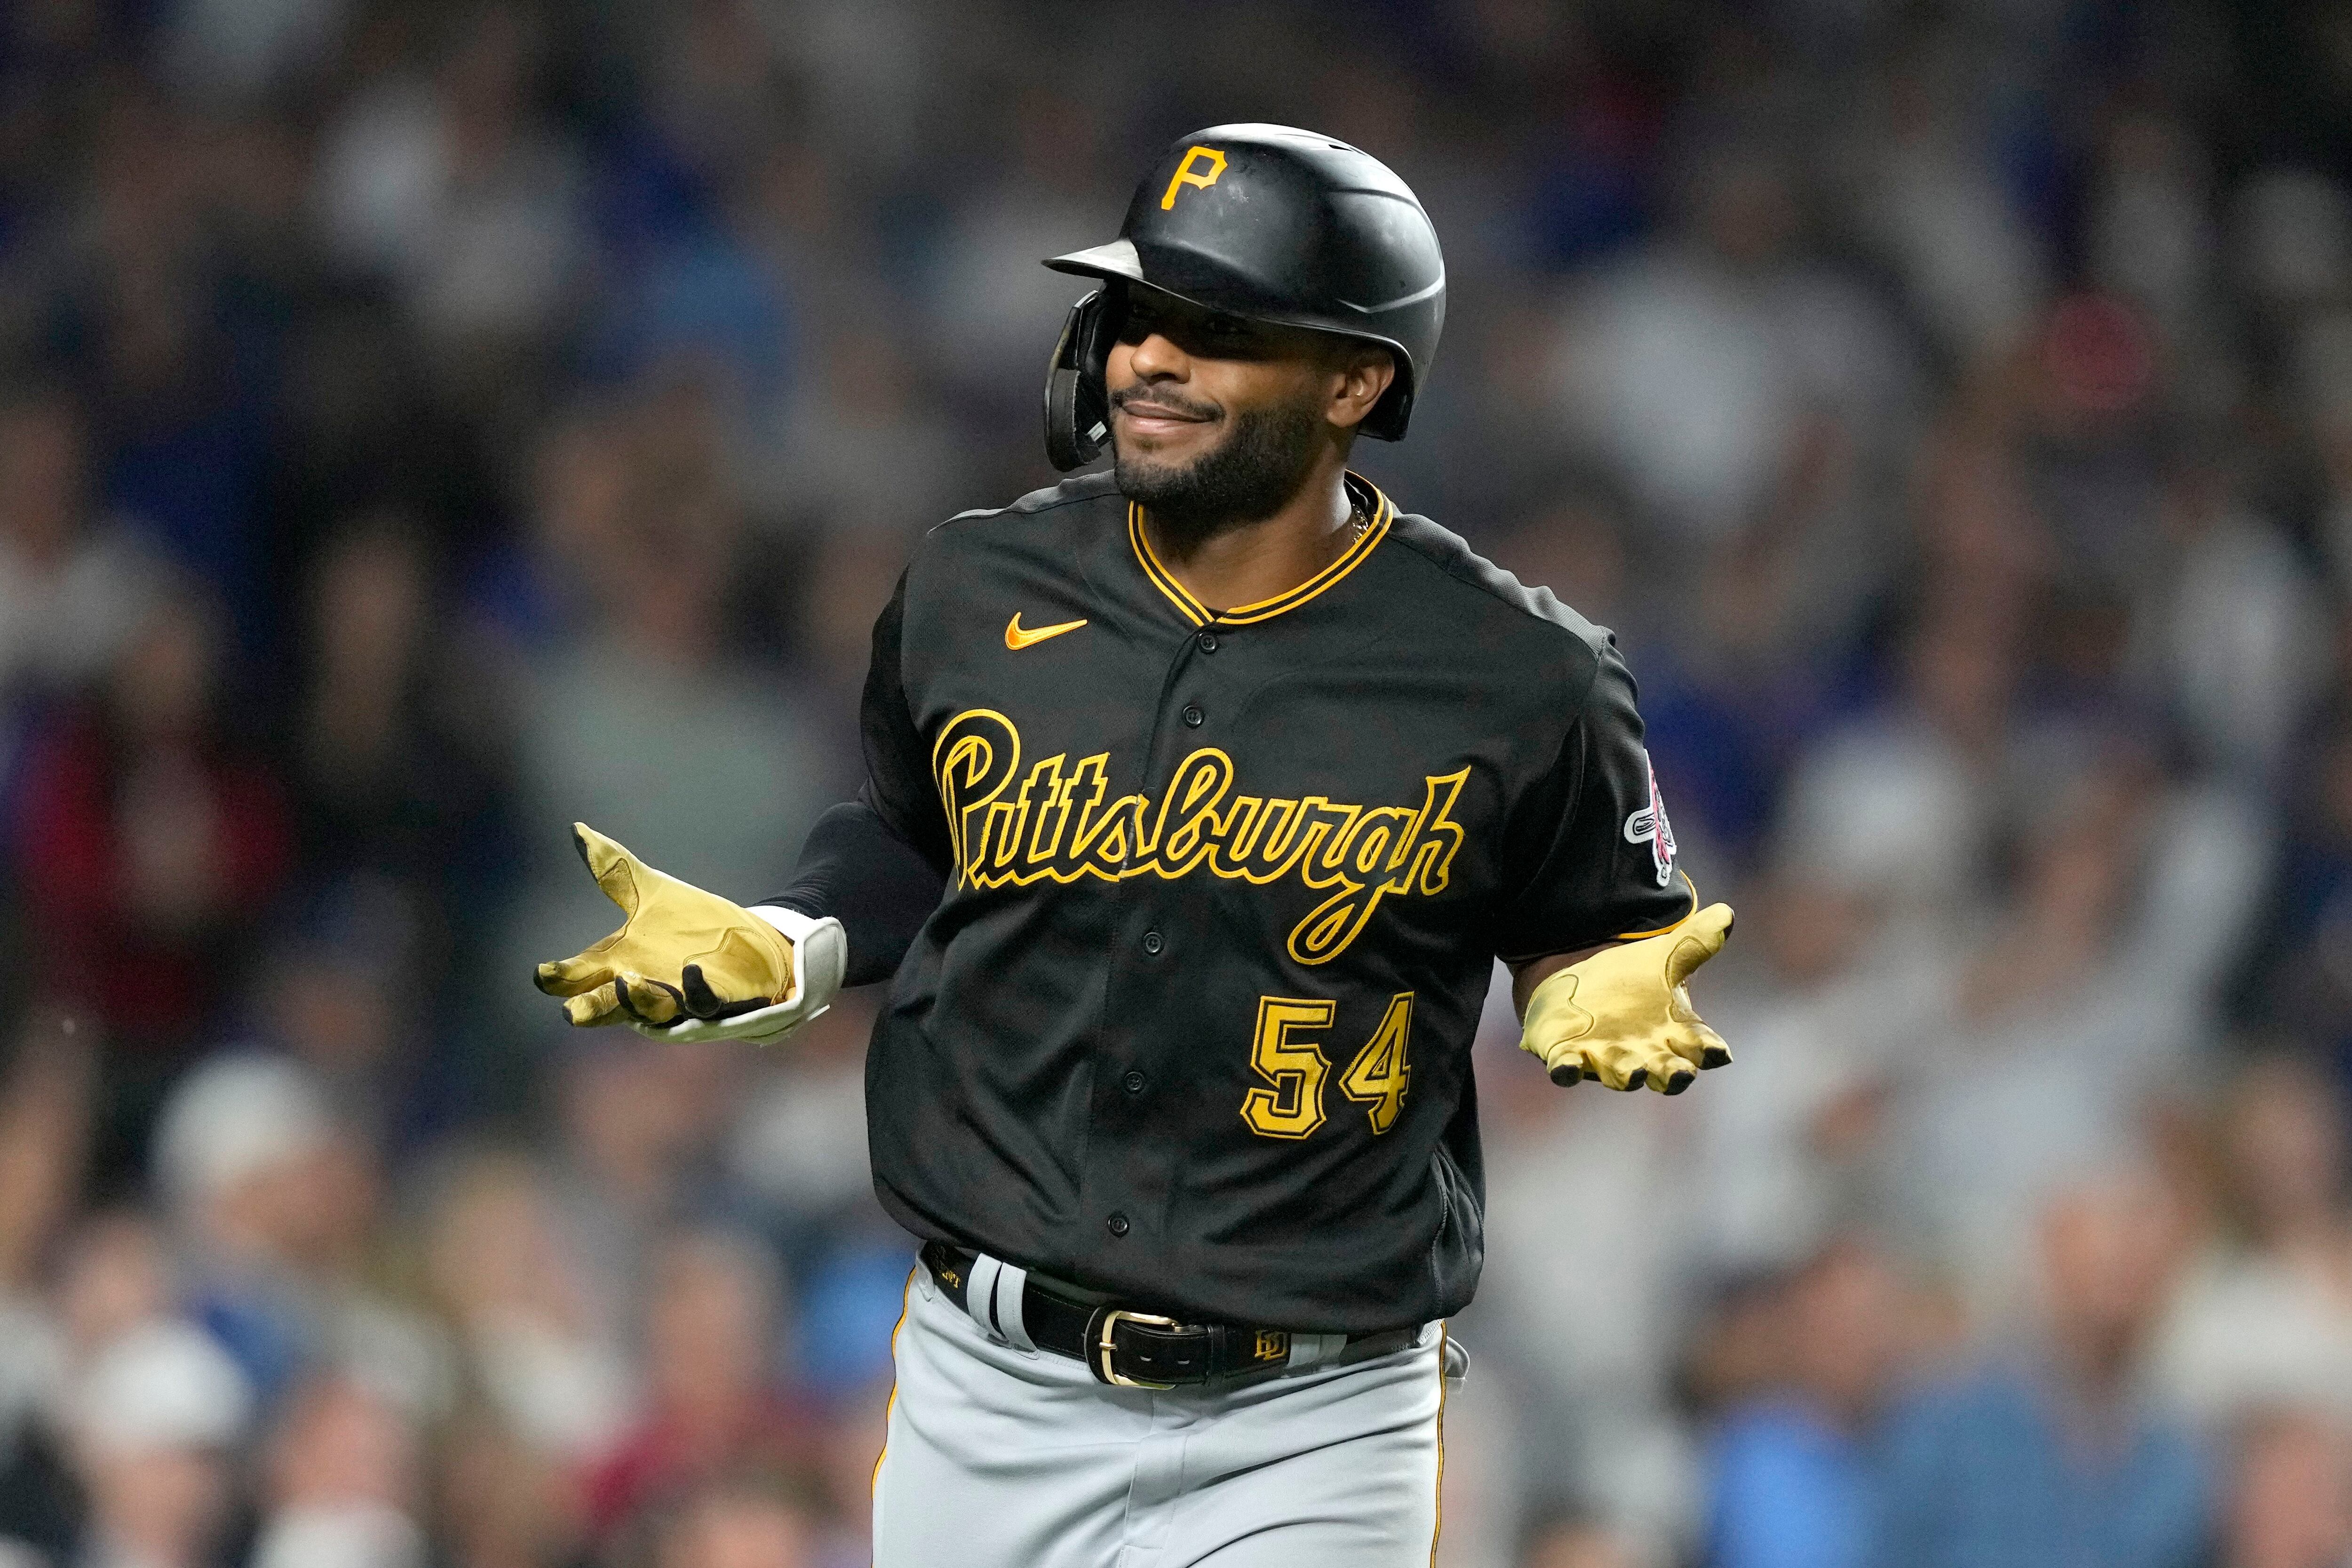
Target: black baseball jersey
x=1192 y=1022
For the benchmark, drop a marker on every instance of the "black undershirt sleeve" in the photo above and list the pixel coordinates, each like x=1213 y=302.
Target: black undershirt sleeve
x=857 y=869
x=878 y=863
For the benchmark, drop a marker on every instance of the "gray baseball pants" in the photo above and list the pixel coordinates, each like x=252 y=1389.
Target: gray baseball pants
x=999 y=1457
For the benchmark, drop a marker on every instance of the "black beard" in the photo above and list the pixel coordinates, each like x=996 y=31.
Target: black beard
x=1246 y=478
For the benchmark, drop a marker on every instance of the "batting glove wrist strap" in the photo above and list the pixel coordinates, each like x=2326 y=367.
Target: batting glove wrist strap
x=820 y=958
x=1625 y=1017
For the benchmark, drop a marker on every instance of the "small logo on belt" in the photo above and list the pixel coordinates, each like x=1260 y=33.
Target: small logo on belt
x=1016 y=637
x=1273 y=1344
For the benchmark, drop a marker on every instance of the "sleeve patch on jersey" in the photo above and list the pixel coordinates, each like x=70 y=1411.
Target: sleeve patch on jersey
x=1649 y=825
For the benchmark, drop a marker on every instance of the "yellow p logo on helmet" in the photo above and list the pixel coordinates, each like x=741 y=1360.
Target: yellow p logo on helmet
x=1185 y=174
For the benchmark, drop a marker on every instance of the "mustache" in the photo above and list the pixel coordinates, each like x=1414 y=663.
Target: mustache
x=1175 y=403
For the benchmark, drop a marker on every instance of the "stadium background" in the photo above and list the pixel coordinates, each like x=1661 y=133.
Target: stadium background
x=422 y=425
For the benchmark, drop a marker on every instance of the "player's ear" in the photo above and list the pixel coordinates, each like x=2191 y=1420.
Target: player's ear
x=1361 y=373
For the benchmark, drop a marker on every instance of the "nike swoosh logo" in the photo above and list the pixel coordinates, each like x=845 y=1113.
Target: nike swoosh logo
x=1016 y=638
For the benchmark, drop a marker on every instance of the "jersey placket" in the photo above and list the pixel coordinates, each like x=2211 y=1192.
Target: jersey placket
x=1142 y=1107
x=1142 y=1095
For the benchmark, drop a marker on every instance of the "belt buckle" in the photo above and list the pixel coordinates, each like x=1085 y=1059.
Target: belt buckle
x=1104 y=1351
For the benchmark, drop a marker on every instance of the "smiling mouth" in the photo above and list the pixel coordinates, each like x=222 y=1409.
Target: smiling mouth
x=1160 y=413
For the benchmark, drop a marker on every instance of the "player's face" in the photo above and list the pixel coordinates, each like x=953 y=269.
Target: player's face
x=1179 y=377
x=1219 y=418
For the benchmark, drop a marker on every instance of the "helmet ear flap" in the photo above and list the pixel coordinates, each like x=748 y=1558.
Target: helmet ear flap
x=1077 y=405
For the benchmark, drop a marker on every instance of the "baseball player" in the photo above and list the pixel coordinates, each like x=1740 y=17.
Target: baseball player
x=1202 y=795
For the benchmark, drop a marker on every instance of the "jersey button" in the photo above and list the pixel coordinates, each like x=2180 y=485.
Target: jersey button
x=1134 y=1081
x=1208 y=641
x=1192 y=714
x=1153 y=941
x=1118 y=1225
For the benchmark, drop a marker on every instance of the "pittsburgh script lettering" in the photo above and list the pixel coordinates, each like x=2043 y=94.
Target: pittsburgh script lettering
x=1053 y=821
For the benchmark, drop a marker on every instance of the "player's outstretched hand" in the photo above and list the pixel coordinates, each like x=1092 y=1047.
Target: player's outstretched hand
x=1623 y=1015
x=688 y=964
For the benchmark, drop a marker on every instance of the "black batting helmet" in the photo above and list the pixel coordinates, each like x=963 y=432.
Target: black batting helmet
x=1270 y=223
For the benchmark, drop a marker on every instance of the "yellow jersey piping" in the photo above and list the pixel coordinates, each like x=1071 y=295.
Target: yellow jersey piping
x=1193 y=609
x=1200 y=615
x=1638 y=935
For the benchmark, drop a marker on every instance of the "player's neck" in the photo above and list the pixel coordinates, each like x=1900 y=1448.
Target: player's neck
x=1252 y=561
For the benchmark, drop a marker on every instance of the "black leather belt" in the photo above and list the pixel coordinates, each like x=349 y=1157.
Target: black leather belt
x=1145 y=1350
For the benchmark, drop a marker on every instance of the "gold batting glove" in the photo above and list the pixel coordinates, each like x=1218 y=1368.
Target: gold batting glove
x=681 y=955
x=1623 y=1015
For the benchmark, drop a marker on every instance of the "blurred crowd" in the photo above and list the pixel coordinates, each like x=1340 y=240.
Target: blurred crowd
x=424 y=423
